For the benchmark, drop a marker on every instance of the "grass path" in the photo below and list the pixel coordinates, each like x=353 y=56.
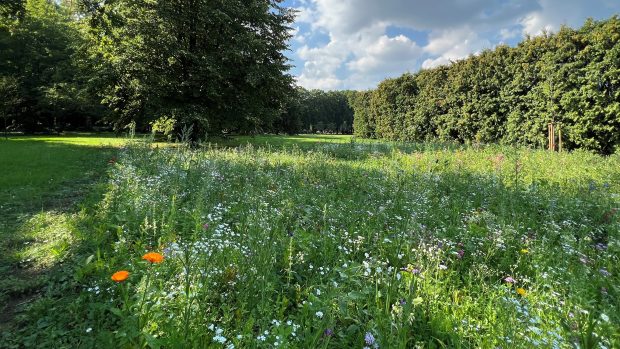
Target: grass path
x=42 y=180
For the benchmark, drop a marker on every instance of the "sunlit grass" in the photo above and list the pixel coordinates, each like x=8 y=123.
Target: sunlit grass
x=317 y=242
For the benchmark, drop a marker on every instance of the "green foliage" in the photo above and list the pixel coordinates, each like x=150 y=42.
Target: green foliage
x=213 y=65
x=509 y=95
x=416 y=245
x=318 y=111
x=40 y=64
x=164 y=125
x=363 y=122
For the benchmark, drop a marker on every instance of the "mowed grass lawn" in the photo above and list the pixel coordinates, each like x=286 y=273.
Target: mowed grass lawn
x=42 y=179
x=324 y=242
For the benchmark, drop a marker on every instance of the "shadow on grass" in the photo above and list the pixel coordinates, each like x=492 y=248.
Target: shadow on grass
x=345 y=147
x=42 y=183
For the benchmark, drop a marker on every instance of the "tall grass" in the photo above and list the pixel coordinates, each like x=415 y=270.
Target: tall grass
x=351 y=245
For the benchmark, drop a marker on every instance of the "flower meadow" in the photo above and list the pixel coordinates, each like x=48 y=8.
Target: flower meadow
x=360 y=245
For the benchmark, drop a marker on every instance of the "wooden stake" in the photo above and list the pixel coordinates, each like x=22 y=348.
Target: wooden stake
x=548 y=136
x=551 y=136
x=560 y=136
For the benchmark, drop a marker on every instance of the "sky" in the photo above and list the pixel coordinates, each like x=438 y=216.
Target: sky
x=354 y=44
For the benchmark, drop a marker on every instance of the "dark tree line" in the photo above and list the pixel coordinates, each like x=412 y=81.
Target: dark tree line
x=508 y=95
x=215 y=66
x=316 y=111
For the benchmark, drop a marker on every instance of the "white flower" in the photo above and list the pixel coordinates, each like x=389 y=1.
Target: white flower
x=219 y=339
x=319 y=314
x=318 y=292
x=261 y=338
x=88 y=330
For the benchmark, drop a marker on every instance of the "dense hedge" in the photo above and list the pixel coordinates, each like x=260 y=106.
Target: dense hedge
x=509 y=94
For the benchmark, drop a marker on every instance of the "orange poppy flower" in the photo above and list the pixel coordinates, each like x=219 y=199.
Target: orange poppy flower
x=120 y=276
x=153 y=257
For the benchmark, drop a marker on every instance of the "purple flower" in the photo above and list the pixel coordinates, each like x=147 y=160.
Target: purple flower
x=601 y=246
x=205 y=226
x=510 y=280
x=460 y=254
x=328 y=332
x=369 y=338
x=604 y=272
x=402 y=301
x=592 y=186
x=411 y=270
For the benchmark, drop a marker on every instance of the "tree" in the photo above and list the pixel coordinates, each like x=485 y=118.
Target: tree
x=38 y=61
x=214 y=65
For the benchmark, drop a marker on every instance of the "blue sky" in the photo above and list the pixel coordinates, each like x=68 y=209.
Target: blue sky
x=354 y=44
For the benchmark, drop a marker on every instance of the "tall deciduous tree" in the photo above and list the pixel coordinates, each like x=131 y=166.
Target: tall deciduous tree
x=38 y=63
x=215 y=65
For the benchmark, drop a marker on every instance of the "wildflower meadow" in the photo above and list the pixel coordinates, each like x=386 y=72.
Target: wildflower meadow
x=342 y=245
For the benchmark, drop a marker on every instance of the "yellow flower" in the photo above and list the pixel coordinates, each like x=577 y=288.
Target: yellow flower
x=525 y=251
x=120 y=276
x=521 y=292
x=153 y=257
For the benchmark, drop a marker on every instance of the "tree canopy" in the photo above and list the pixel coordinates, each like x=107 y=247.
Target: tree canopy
x=214 y=66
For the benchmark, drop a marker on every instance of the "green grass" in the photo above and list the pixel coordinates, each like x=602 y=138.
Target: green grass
x=285 y=141
x=322 y=242
x=42 y=180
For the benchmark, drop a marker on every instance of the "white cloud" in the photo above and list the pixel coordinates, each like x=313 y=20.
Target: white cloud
x=386 y=53
x=506 y=33
x=555 y=13
x=450 y=45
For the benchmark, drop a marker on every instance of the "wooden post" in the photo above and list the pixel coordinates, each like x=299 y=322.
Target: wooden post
x=548 y=136
x=551 y=136
x=560 y=137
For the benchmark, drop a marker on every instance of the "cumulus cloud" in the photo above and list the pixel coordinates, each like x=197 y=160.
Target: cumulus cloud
x=362 y=50
x=555 y=13
x=450 y=45
x=396 y=51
